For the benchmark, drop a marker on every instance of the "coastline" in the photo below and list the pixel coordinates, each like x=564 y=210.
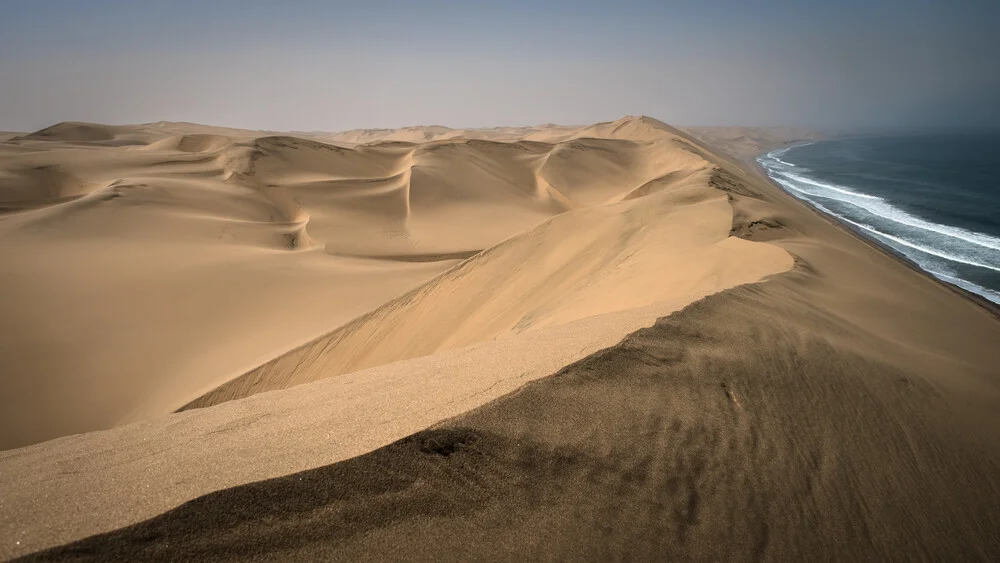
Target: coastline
x=845 y=396
x=753 y=163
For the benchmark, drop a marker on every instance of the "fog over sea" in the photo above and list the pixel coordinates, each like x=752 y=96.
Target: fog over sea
x=933 y=198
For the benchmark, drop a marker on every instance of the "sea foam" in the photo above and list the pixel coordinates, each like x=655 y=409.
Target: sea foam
x=911 y=233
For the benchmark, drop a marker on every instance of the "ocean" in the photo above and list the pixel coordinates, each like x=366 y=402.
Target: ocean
x=933 y=198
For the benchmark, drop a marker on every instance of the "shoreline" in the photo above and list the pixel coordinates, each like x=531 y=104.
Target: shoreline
x=989 y=305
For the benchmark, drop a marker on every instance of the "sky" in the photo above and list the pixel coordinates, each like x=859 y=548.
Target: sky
x=331 y=66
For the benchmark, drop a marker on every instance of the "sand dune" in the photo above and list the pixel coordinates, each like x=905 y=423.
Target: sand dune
x=746 y=142
x=547 y=132
x=743 y=428
x=441 y=279
x=197 y=142
x=582 y=263
x=629 y=212
x=75 y=132
x=120 y=250
x=217 y=215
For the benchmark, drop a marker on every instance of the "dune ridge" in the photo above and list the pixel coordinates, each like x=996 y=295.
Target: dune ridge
x=252 y=229
x=753 y=425
x=604 y=221
x=582 y=224
x=845 y=405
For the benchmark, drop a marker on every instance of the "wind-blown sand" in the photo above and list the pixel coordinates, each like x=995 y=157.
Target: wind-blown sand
x=847 y=407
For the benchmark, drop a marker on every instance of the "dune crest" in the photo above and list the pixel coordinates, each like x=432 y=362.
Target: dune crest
x=73 y=131
x=196 y=142
x=119 y=209
x=344 y=251
x=636 y=220
x=509 y=390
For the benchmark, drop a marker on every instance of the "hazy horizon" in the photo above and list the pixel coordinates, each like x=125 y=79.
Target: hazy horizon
x=312 y=66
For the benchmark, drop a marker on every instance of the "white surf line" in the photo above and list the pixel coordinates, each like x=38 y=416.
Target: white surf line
x=873 y=230
x=886 y=210
x=778 y=152
x=921 y=248
x=825 y=186
x=789 y=164
x=964 y=284
x=984 y=292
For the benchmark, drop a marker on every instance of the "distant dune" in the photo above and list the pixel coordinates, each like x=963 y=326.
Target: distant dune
x=75 y=132
x=746 y=142
x=616 y=341
x=197 y=142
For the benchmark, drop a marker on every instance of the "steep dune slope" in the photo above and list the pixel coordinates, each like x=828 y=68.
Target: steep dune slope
x=671 y=245
x=644 y=225
x=168 y=240
x=575 y=243
x=756 y=425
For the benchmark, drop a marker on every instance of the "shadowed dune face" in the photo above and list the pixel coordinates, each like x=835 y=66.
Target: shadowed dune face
x=169 y=240
x=633 y=223
x=736 y=429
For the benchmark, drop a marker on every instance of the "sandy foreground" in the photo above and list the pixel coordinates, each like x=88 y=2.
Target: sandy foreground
x=594 y=342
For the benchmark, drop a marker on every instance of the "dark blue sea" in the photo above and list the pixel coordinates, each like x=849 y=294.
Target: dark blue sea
x=932 y=198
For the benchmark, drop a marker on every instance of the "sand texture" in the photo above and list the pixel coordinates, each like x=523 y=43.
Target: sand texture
x=150 y=269
x=429 y=344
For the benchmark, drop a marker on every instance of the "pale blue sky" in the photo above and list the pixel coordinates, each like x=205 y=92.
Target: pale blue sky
x=310 y=65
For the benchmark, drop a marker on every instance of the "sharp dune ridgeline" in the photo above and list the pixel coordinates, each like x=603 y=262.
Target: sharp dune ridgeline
x=616 y=341
x=167 y=266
